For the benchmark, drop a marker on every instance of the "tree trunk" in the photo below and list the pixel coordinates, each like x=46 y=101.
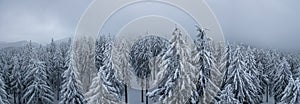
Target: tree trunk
x=19 y=98
x=267 y=93
x=142 y=92
x=154 y=68
x=126 y=96
x=15 y=99
x=147 y=86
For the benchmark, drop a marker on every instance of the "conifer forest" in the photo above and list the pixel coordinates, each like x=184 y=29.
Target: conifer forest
x=166 y=71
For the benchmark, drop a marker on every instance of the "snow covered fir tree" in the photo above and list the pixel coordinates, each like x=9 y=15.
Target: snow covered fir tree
x=4 y=96
x=71 y=92
x=177 y=84
x=183 y=70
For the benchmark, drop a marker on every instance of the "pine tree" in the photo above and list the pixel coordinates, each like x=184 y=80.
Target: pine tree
x=291 y=94
x=227 y=96
x=110 y=89
x=63 y=51
x=251 y=62
x=264 y=81
x=270 y=62
x=98 y=93
x=252 y=69
x=42 y=53
x=3 y=95
x=84 y=52
x=243 y=88
x=226 y=60
x=122 y=64
x=143 y=55
x=51 y=63
x=176 y=86
x=219 y=49
x=7 y=68
x=282 y=77
x=26 y=61
x=71 y=92
x=38 y=89
x=145 y=49
x=294 y=62
x=100 y=49
x=16 y=83
x=208 y=75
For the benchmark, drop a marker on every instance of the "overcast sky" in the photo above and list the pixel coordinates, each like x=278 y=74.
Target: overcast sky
x=274 y=23
x=39 y=20
x=260 y=22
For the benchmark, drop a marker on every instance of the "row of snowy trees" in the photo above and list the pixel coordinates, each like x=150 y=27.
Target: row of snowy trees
x=100 y=71
x=39 y=75
x=234 y=73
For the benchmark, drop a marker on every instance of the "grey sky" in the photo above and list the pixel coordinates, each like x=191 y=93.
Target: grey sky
x=39 y=20
x=260 y=22
x=274 y=23
x=152 y=9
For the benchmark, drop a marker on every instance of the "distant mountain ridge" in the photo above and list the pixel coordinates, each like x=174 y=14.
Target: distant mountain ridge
x=14 y=44
x=22 y=43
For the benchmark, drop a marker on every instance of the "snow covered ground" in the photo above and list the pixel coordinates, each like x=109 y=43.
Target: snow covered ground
x=134 y=97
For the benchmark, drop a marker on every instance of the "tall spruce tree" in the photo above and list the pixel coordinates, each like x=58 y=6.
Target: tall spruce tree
x=4 y=99
x=143 y=57
x=38 y=89
x=84 y=51
x=110 y=89
x=62 y=65
x=16 y=83
x=282 y=77
x=244 y=89
x=291 y=93
x=51 y=63
x=122 y=64
x=208 y=75
x=227 y=96
x=177 y=86
x=252 y=69
x=71 y=92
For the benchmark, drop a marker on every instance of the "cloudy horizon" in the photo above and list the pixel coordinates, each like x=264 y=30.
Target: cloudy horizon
x=273 y=23
x=39 y=20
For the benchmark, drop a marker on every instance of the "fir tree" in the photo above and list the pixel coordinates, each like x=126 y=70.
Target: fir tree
x=110 y=89
x=38 y=89
x=227 y=96
x=51 y=63
x=62 y=65
x=16 y=83
x=294 y=62
x=252 y=69
x=208 y=75
x=143 y=57
x=26 y=65
x=122 y=64
x=100 y=92
x=36 y=86
x=282 y=77
x=226 y=61
x=4 y=99
x=244 y=89
x=177 y=85
x=291 y=94
x=71 y=92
